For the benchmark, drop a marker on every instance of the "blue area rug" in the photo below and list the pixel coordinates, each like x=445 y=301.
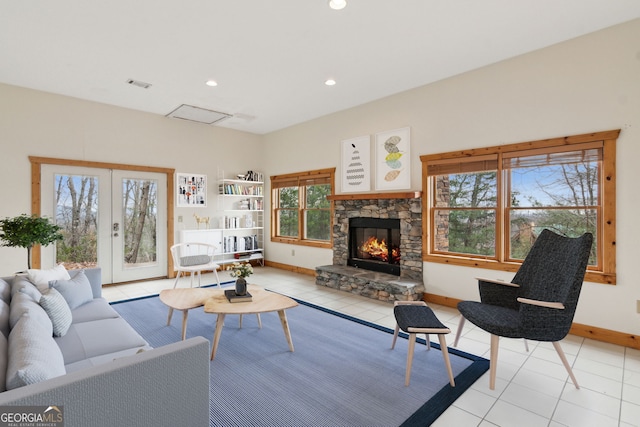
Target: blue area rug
x=342 y=373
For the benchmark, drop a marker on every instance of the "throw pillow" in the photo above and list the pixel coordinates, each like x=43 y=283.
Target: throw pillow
x=41 y=278
x=189 y=260
x=4 y=348
x=4 y=321
x=5 y=291
x=23 y=303
x=58 y=311
x=76 y=291
x=19 y=282
x=33 y=355
x=32 y=291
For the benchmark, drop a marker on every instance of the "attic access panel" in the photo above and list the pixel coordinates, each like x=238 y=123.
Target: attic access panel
x=197 y=114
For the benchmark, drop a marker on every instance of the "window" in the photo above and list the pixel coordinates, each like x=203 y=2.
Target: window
x=486 y=206
x=301 y=213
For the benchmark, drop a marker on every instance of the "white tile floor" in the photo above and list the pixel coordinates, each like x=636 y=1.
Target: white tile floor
x=532 y=388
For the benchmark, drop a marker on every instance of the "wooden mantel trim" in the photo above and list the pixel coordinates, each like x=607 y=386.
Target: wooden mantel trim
x=365 y=196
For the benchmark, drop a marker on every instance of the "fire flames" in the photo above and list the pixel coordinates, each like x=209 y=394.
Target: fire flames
x=377 y=249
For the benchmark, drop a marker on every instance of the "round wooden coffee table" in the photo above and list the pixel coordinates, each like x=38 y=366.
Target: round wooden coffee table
x=263 y=301
x=184 y=299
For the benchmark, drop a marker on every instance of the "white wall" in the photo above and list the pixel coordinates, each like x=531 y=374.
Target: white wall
x=585 y=85
x=34 y=123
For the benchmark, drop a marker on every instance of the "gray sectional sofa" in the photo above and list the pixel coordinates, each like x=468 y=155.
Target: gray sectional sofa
x=67 y=347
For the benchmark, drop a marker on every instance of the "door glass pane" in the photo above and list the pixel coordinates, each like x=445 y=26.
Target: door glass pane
x=139 y=216
x=76 y=211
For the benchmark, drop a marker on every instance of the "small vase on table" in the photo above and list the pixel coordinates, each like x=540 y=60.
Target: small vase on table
x=241 y=286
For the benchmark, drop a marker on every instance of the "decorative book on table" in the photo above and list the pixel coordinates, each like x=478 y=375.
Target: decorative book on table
x=233 y=297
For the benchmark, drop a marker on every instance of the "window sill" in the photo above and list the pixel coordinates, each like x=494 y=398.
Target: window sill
x=312 y=243
x=590 y=276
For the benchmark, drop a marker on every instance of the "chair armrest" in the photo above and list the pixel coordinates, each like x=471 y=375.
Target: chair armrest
x=498 y=282
x=548 y=304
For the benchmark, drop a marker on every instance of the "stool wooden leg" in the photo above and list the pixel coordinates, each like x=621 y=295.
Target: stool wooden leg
x=169 y=318
x=445 y=354
x=259 y=320
x=395 y=336
x=427 y=341
x=412 y=345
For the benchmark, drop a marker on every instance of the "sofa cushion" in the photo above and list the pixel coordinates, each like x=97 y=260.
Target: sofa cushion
x=33 y=354
x=105 y=358
x=58 y=311
x=4 y=349
x=4 y=318
x=5 y=291
x=90 y=339
x=95 y=278
x=96 y=309
x=41 y=278
x=76 y=291
x=23 y=303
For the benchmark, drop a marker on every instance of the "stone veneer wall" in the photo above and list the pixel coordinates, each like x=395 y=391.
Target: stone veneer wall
x=408 y=211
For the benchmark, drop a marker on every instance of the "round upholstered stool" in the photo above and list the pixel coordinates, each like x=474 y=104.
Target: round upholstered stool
x=415 y=317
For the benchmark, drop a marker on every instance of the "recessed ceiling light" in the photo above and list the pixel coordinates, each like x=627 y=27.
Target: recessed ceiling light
x=212 y=83
x=337 y=4
x=330 y=82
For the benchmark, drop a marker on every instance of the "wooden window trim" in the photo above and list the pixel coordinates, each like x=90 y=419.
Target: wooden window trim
x=606 y=227
x=301 y=179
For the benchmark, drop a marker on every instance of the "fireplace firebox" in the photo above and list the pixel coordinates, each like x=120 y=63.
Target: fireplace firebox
x=374 y=244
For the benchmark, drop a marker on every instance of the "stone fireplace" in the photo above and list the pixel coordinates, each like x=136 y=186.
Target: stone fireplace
x=391 y=277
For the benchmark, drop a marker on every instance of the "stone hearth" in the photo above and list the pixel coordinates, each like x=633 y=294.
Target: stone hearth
x=386 y=287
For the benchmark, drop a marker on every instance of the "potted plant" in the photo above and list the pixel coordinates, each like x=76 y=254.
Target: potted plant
x=241 y=270
x=24 y=231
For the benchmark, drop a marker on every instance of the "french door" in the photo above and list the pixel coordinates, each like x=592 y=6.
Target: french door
x=109 y=217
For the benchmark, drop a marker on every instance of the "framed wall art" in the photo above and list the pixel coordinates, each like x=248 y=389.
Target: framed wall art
x=356 y=164
x=393 y=159
x=191 y=190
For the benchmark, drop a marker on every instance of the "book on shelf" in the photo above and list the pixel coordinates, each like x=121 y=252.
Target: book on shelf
x=242 y=255
x=232 y=297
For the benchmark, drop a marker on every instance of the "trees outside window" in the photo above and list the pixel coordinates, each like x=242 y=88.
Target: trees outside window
x=301 y=213
x=487 y=206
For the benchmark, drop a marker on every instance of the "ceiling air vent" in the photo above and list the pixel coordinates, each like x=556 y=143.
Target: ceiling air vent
x=138 y=83
x=197 y=114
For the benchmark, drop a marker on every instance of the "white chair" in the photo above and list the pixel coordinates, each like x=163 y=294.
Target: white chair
x=193 y=258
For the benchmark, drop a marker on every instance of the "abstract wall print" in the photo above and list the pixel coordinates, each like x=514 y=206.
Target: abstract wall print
x=393 y=159
x=191 y=190
x=356 y=164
